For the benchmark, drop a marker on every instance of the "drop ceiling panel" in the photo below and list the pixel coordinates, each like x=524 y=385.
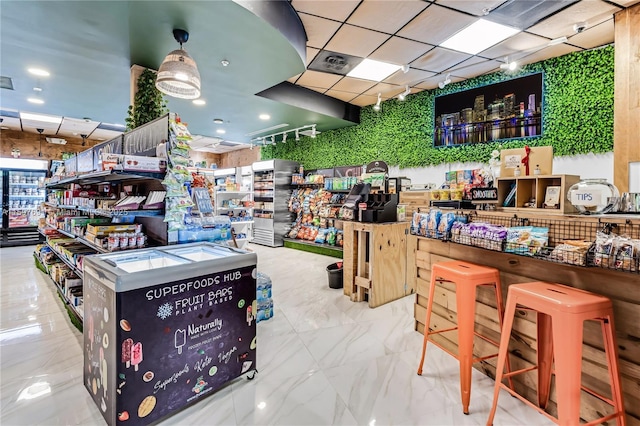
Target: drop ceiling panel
x=319 y=30
x=473 y=7
x=343 y=96
x=33 y=124
x=561 y=24
x=399 y=50
x=364 y=100
x=316 y=89
x=410 y=78
x=294 y=78
x=435 y=24
x=11 y=122
x=338 y=10
x=549 y=52
x=353 y=85
x=311 y=53
x=523 y=14
x=626 y=3
x=69 y=126
x=48 y=131
x=103 y=134
x=318 y=79
x=356 y=41
x=387 y=90
x=439 y=59
x=386 y=16
x=476 y=69
x=518 y=43
x=595 y=36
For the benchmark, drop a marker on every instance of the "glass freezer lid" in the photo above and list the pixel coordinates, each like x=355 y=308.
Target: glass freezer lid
x=200 y=253
x=142 y=260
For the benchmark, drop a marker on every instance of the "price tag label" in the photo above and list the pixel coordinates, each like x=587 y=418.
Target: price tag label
x=587 y=197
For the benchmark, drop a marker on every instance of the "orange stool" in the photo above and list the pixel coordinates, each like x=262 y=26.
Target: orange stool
x=467 y=277
x=561 y=312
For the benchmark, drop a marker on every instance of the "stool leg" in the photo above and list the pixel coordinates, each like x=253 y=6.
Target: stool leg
x=545 y=358
x=503 y=353
x=498 y=289
x=611 y=350
x=567 y=343
x=432 y=291
x=466 y=307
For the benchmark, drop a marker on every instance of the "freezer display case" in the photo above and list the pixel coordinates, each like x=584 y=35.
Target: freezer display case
x=22 y=193
x=166 y=327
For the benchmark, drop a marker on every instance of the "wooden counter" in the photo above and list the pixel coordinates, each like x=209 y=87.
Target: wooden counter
x=375 y=261
x=623 y=288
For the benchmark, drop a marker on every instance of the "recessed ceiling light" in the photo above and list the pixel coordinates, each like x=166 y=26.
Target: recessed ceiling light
x=218 y=120
x=221 y=131
x=35 y=100
x=369 y=69
x=40 y=117
x=39 y=72
x=199 y=102
x=4 y=128
x=479 y=36
x=264 y=116
x=75 y=133
x=37 y=89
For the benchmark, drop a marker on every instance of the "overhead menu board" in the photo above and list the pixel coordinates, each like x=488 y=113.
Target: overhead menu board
x=85 y=161
x=113 y=146
x=146 y=138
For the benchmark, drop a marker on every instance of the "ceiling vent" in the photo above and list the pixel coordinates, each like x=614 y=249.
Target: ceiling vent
x=524 y=14
x=6 y=83
x=334 y=63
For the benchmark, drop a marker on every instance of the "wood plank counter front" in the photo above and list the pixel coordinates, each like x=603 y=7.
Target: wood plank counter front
x=623 y=288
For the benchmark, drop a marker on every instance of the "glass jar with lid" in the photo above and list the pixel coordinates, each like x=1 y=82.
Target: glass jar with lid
x=594 y=196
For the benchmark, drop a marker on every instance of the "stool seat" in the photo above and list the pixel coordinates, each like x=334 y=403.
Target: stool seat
x=561 y=312
x=466 y=277
x=546 y=297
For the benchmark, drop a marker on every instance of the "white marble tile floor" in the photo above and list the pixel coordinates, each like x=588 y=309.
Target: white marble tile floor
x=322 y=360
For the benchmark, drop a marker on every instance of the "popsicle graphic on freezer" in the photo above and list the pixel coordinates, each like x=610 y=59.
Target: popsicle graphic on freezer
x=180 y=339
x=91 y=336
x=127 y=344
x=103 y=372
x=136 y=355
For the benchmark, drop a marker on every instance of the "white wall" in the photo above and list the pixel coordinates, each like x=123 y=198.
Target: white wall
x=585 y=166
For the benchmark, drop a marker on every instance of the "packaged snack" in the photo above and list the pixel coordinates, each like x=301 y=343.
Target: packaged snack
x=340 y=238
x=180 y=131
x=313 y=232
x=573 y=252
x=432 y=222
x=331 y=236
x=603 y=249
x=527 y=240
x=321 y=236
x=415 y=223
x=623 y=250
x=446 y=221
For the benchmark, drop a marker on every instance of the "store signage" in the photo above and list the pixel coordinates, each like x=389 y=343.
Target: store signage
x=113 y=146
x=377 y=167
x=512 y=161
x=202 y=199
x=349 y=171
x=85 y=161
x=587 y=197
x=71 y=166
x=152 y=351
x=484 y=194
x=145 y=139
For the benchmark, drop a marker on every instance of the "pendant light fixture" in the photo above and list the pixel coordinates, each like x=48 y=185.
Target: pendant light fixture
x=178 y=75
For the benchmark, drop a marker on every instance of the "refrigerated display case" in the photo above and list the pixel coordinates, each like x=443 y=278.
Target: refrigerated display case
x=271 y=193
x=166 y=327
x=22 y=195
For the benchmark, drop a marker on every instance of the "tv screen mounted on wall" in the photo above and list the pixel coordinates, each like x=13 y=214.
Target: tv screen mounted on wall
x=506 y=110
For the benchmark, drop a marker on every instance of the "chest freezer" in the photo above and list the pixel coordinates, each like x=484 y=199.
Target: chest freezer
x=166 y=327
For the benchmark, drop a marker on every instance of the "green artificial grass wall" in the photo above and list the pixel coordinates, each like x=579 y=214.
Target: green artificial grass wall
x=577 y=119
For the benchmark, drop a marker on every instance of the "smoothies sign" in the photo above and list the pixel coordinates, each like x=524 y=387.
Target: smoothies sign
x=178 y=342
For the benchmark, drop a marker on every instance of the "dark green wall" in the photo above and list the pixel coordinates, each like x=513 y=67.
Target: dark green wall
x=577 y=119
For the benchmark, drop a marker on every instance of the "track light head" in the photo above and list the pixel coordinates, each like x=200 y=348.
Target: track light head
x=402 y=96
x=313 y=131
x=297 y=135
x=377 y=106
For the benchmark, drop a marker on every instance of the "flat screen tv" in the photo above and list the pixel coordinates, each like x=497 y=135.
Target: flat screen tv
x=506 y=110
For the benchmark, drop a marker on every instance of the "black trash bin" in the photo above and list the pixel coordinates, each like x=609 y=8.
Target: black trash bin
x=335 y=275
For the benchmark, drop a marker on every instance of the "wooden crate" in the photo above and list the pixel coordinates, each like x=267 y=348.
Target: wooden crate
x=414 y=200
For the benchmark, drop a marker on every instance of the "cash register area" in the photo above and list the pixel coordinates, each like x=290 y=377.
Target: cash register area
x=322 y=359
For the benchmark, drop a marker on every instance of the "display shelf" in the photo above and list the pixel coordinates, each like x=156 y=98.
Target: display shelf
x=65 y=260
x=532 y=189
x=263 y=199
x=233 y=192
x=24 y=184
x=72 y=309
x=92 y=245
x=68 y=234
x=25 y=196
x=104 y=177
x=324 y=249
x=241 y=222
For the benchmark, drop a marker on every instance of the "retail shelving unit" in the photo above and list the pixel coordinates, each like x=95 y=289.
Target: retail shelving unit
x=271 y=192
x=234 y=198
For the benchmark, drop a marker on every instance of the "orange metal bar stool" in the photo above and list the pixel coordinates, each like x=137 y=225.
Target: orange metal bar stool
x=467 y=277
x=561 y=312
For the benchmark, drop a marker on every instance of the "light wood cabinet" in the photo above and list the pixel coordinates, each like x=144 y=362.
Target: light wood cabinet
x=535 y=187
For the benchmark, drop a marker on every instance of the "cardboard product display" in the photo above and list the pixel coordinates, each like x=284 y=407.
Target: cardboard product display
x=541 y=156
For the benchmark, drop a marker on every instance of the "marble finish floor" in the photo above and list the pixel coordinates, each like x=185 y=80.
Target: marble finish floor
x=322 y=359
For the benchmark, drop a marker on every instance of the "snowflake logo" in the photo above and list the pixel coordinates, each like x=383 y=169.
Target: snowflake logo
x=164 y=310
